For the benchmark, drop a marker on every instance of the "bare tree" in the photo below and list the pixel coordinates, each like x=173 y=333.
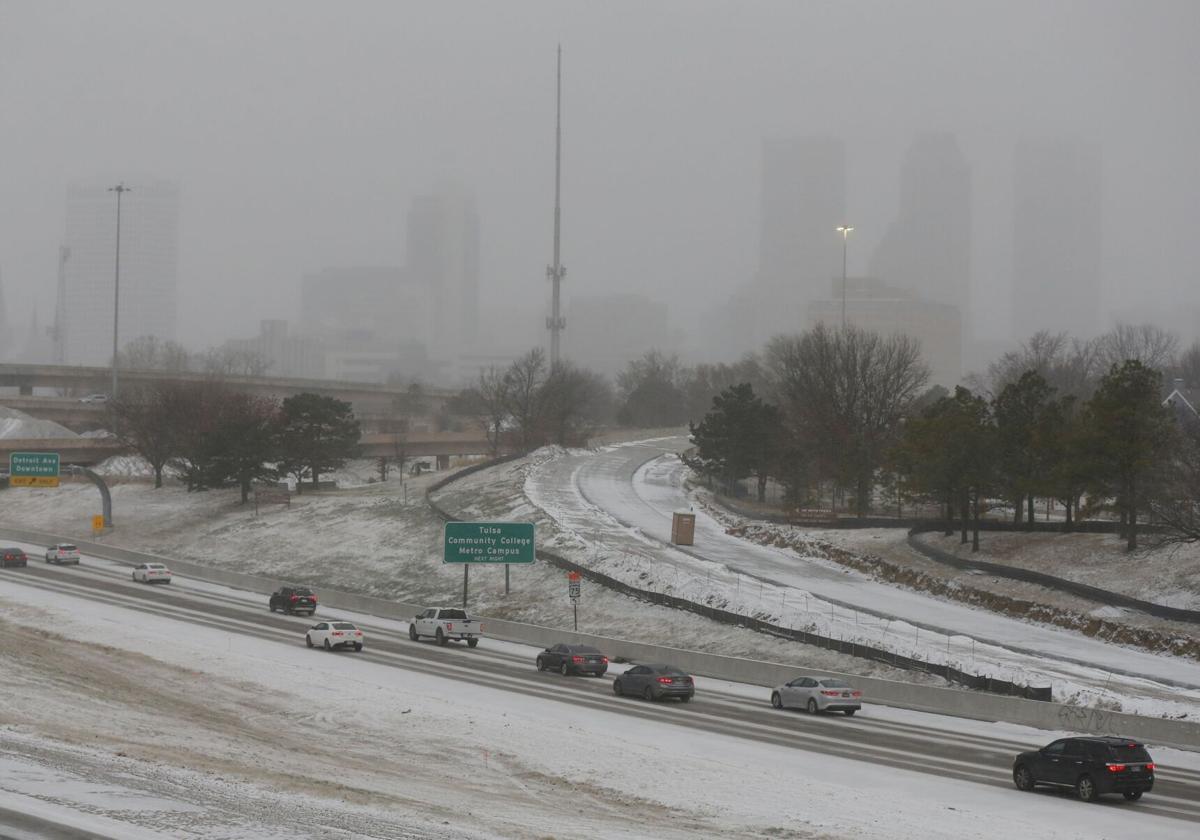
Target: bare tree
x=491 y=405
x=1188 y=366
x=1153 y=346
x=230 y=361
x=1068 y=365
x=1178 y=508
x=651 y=391
x=566 y=399
x=148 y=352
x=523 y=389
x=144 y=418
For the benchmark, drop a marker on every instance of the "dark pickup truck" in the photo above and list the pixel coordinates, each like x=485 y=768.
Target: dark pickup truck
x=294 y=599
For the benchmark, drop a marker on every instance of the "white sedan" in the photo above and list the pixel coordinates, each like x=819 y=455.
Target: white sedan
x=818 y=694
x=152 y=573
x=332 y=634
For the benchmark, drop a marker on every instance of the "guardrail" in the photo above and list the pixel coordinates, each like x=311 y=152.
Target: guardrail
x=1092 y=593
x=945 y=701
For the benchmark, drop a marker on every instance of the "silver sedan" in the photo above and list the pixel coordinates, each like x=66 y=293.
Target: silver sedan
x=817 y=694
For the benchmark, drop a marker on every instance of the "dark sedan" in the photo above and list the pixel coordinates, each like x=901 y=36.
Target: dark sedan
x=654 y=682
x=573 y=659
x=1092 y=766
x=13 y=557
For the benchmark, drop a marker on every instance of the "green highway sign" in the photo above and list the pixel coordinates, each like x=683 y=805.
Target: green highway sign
x=489 y=542
x=33 y=469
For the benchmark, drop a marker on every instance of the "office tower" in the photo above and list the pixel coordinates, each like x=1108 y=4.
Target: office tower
x=1057 y=238
x=149 y=265
x=927 y=249
x=443 y=256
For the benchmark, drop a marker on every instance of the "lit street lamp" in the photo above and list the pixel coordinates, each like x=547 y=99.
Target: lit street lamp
x=119 y=189
x=844 y=230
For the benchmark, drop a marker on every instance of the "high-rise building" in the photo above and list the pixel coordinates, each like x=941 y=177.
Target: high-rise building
x=149 y=265
x=1057 y=238
x=609 y=331
x=347 y=305
x=443 y=255
x=803 y=201
x=927 y=249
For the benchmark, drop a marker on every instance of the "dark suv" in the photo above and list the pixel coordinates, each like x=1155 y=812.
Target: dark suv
x=294 y=599
x=13 y=557
x=1092 y=766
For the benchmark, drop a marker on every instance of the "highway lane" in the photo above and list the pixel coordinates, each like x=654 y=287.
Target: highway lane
x=927 y=749
x=630 y=486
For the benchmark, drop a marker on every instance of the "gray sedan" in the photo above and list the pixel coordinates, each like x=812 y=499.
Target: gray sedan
x=818 y=694
x=654 y=682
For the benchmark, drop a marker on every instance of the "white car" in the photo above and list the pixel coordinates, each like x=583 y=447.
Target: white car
x=62 y=554
x=94 y=398
x=332 y=634
x=818 y=694
x=151 y=573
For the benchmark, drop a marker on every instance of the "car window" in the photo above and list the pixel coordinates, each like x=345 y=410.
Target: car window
x=69 y=548
x=1056 y=748
x=584 y=649
x=1075 y=747
x=640 y=669
x=322 y=626
x=343 y=625
x=835 y=683
x=808 y=682
x=459 y=614
x=1127 y=753
x=558 y=649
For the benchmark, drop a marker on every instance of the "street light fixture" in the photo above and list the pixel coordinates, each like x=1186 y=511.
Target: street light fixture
x=844 y=230
x=119 y=189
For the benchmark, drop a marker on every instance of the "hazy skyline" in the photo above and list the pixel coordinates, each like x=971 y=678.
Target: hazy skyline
x=300 y=133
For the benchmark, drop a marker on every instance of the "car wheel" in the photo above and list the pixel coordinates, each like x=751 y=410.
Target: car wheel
x=412 y=632
x=541 y=666
x=618 y=689
x=327 y=645
x=776 y=701
x=648 y=693
x=812 y=706
x=441 y=637
x=1086 y=789
x=564 y=670
x=271 y=607
x=308 y=640
x=849 y=712
x=1132 y=795
x=1022 y=778
x=472 y=642
x=358 y=646
x=133 y=575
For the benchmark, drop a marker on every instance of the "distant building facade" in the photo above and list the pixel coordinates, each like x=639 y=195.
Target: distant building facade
x=927 y=249
x=609 y=331
x=149 y=267
x=284 y=354
x=1057 y=238
x=873 y=306
x=443 y=258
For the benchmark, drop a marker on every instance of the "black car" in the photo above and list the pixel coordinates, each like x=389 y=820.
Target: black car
x=294 y=599
x=655 y=682
x=573 y=659
x=13 y=557
x=1092 y=766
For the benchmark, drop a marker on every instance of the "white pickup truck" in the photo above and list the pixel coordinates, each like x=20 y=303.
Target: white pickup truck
x=446 y=625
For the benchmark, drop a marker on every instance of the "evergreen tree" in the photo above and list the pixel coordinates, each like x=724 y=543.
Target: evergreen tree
x=316 y=434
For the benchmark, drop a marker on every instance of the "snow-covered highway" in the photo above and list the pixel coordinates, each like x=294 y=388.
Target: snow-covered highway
x=527 y=737
x=620 y=500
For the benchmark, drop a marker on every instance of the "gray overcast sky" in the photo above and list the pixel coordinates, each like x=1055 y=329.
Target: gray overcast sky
x=299 y=131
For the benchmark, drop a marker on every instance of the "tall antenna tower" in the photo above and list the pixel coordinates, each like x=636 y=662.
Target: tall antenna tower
x=556 y=272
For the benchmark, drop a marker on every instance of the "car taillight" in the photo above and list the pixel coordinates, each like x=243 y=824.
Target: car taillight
x=1115 y=768
x=1150 y=767
x=576 y=658
x=357 y=632
x=830 y=693
x=856 y=694
x=604 y=659
x=294 y=598
x=313 y=597
x=665 y=680
x=337 y=632
x=449 y=625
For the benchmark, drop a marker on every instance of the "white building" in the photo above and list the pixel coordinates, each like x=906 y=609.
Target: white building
x=149 y=265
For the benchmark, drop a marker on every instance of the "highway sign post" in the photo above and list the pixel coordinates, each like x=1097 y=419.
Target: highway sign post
x=33 y=469
x=573 y=592
x=98 y=524
x=493 y=543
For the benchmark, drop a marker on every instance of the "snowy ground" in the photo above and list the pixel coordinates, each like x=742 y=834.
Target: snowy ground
x=614 y=510
x=136 y=725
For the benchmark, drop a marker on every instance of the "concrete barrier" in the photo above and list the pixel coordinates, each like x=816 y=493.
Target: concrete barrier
x=925 y=698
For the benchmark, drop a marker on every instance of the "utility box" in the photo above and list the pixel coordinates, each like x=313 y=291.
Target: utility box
x=683 y=528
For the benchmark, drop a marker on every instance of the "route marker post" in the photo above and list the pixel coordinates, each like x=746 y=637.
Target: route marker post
x=573 y=592
x=490 y=543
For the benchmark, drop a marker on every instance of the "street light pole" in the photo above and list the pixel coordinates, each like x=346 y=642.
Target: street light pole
x=119 y=189
x=844 y=230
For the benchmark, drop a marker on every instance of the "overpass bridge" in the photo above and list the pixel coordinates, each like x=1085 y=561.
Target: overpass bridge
x=87 y=452
x=370 y=399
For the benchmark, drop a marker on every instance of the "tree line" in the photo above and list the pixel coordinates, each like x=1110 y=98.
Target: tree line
x=212 y=435
x=845 y=414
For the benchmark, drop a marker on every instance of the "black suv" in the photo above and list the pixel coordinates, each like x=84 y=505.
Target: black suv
x=1092 y=766
x=294 y=599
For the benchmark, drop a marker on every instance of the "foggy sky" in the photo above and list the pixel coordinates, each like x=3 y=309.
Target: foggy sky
x=299 y=133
